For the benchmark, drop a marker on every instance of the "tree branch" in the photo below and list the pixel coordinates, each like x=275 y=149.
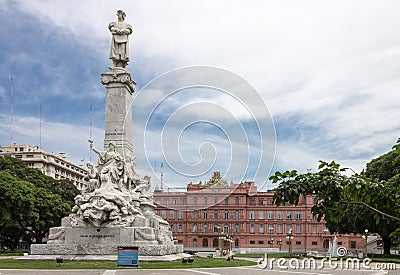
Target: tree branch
x=24 y=227
x=372 y=208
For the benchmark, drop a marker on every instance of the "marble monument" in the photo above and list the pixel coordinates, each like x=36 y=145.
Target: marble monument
x=115 y=207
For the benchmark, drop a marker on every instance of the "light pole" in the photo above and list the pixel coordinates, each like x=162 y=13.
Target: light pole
x=219 y=237
x=222 y=238
x=232 y=241
x=270 y=229
x=366 y=233
x=280 y=244
x=325 y=238
x=230 y=253
x=289 y=236
x=229 y=240
x=271 y=242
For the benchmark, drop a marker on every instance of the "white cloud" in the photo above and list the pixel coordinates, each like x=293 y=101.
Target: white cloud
x=56 y=137
x=331 y=65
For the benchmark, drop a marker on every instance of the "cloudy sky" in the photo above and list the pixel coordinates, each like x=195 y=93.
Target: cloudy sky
x=325 y=75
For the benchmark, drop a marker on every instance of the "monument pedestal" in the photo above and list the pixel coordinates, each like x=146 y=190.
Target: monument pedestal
x=101 y=249
x=67 y=240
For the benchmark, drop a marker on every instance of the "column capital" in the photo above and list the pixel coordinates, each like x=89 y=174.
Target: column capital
x=119 y=75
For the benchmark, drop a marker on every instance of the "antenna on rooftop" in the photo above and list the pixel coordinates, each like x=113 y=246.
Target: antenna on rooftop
x=90 y=129
x=12 y=109
x=155 y=173
x=40 y=125
x=162 y=178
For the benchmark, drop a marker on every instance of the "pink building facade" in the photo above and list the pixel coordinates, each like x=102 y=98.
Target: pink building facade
x=247 y=218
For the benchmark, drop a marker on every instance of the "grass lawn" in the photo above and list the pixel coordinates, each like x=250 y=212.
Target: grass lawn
x=374 y=257
x=11 y=253
x=385 y=258
x=260 y=255
x=46 y=264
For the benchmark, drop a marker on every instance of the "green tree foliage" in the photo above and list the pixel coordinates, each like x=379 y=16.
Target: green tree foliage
x=65 y=188
x=349 y=203
x=17 y=195
x=11 y=234
x=31 y=201
x=386 y=169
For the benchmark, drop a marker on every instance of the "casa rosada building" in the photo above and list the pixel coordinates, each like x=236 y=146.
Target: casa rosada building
x=200 y=218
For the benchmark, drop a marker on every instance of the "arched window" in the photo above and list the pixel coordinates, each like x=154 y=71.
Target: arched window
x=226 y=228
x=236 y=243
x=194 y=229
x=205 y=242
x=215 y=200
x=237 y=228
x=215 y=228
x=216 y=214
x=194 y=242
x=325 y=243
x=215 y=242
x=237 y=215
x=205 y=228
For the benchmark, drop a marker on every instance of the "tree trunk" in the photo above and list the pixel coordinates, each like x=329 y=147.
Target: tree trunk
x=39 y=237
x=387 y=242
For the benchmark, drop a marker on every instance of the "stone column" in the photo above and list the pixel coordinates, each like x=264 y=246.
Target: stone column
x=118 y=118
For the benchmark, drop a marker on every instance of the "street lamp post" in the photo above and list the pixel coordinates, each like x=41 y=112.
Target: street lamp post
x=324 y=239
x=219 y=238
x=271 y=242
x=289 y=236
x=226 y=238
x=366 y=233
x=222 y=238
x=280 y=244
x=230 y=253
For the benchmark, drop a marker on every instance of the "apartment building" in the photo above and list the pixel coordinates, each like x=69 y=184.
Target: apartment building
x=53 y=165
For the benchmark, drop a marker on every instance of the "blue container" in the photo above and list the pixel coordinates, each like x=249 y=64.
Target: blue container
x=128 y=256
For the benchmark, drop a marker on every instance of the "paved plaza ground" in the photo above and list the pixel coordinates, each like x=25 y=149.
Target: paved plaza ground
x=206 y=271
x=244 y=270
